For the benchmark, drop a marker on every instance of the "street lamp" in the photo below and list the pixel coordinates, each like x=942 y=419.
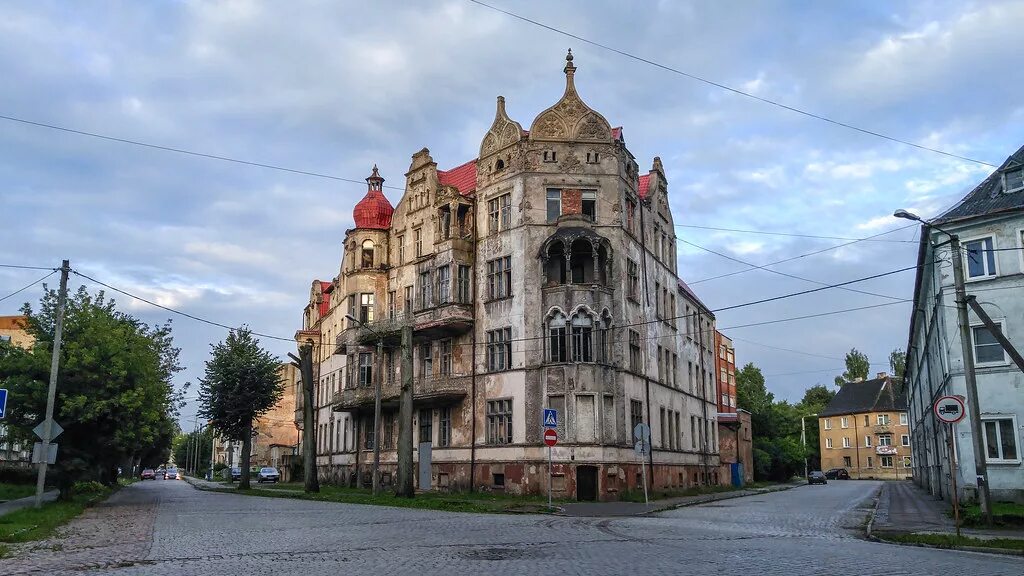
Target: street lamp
x=965 y=343
x=376 y=402
x=803 y=439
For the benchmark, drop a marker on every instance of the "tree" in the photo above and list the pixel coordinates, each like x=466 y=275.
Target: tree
x=754 y=397
x=857 y=366
x=186 y=445
x=241 y=384
x=898 y=363
x=115 y=398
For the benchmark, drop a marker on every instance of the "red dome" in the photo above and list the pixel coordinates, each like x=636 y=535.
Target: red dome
x=374 y=210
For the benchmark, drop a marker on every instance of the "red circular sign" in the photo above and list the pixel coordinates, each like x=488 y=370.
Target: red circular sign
x=550 y=437
x=950 y=409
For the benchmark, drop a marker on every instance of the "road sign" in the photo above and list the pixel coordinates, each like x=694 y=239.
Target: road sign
x=642 y=432
x=55 y=429
x=642 y=447
x=550 y=418
x=37 y=453
x=950 y=409
x=551 y=437
x=3 y=402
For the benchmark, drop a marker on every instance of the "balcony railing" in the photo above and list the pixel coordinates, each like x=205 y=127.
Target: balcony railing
x=440 y=388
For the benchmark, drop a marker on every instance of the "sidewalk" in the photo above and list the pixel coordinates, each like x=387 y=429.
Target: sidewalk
x=12 y=505
x=201 y=484
x=609 y=509
x=904 y=508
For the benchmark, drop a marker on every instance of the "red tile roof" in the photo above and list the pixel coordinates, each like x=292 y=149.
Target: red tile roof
x=645 y=182
x=325 y=304
x=461 y=177
x=373 y=211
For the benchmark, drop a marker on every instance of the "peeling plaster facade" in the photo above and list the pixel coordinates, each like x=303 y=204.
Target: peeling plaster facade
x=542 y=274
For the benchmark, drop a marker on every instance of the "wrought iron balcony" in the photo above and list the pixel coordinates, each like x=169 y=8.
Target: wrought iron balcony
x=434 y=390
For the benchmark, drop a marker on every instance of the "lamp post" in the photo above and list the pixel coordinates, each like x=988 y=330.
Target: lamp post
x=803 y=439
x=376 y=403
x=965 y=343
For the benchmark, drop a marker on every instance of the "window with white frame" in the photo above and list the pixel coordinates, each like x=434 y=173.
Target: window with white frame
x=828 y=442
x=883 y=419
x=828 y=423
x=1013 y=180
x=844 y=422
x=885 y=439
x=867 y=441
x=903 y=418
x=981 y=257
x=886 y=461
x=905 y=439
x=1001 y=439
x=846 y=441
x=987 y=350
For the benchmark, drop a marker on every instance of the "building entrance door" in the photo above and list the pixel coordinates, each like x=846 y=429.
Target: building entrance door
x=586 y=482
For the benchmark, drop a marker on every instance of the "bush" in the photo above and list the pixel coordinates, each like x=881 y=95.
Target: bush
x=218 y=467
x=17 y=475
x=89 y=488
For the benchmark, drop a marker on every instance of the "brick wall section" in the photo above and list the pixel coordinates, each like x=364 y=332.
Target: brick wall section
x=572 y=201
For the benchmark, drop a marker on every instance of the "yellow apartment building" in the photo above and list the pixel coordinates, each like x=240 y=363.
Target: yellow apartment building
x=865 y=430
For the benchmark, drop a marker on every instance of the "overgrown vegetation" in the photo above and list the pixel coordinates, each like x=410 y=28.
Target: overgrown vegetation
x=952 y=541
x=1007 y=514
x=30 y=524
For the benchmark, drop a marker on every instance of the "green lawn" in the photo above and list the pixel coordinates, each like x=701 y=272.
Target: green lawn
x=30 y=524
x=1003 y=514
x=15 y=491
x=489 y=502
x=951 y=541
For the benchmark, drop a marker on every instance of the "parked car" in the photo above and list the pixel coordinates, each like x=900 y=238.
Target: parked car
x=147 y=474
x=268 y=474
x=231 y=474
x=837 y=474
x=172 y=474
x=161 y=473
x=817 y=477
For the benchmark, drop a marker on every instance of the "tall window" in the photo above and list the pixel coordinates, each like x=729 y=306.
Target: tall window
x=499 y=212
x=444 y=284
x=630 y=215
x=407 y=305
x=636 y=414
x=446 y=356
x=463 y=286
x=632 y=280
x=401 y=249
x=558 y=350
x=391 y=304
x=365 y=368
x=828 y=442
x=846 y=441
x=582 y=338
x=426 y=290
x=903 y=418
x=366 y=257
x=499 y=277
x=499 y=421
x=987 y=350
x=554 y=204
x=828 y=423
x=499 y=349
x=657 y=300
x=588 y=204
x=387 y=435
x=883 y=419
x=426 y=360
x=844 y=422
x=366 y=302
x=886 y=461
x=444 y=427
x=981 y=259
x=426 y=418
x=417 y=236
x=604 y=340
x=634 y=351
x=1001 y=439
x=368 y=434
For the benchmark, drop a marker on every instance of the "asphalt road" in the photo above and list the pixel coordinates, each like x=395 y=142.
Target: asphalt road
x=806 y=530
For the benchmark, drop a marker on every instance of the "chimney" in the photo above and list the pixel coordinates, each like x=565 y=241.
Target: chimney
x=882 y=375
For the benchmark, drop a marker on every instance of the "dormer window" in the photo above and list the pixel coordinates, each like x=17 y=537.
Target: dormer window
x=1013 y=180
x=549 y=156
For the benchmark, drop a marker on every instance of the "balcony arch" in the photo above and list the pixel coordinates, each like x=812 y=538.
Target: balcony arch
x=576 y=256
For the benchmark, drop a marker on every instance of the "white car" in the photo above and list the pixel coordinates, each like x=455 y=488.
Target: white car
x=172 y=474
x=268 y=474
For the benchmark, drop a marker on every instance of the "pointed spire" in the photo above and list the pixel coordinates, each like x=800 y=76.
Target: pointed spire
x=501 y=108
x=375 y=181
x=569 y=70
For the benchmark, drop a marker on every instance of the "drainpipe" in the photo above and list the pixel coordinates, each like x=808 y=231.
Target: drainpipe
x=856 y=444
x=472 y=435
x=704 y=395
x=647 y=380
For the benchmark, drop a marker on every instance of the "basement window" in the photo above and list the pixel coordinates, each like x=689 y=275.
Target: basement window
x=498 y=480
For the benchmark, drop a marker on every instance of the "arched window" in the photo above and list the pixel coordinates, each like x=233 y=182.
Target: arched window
x=499 y=165
x=557 y=345
x=366 y=260
x=582 y=338
x=604 y=339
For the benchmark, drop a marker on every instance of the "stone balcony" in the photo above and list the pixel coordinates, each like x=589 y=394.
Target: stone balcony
x=443 y=321
x=567 y=296
x=430 y=391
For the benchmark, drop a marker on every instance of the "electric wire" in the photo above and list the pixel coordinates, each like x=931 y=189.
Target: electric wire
x=795 y=235
x=27 y=286
x=729 y=88
x=20 y=267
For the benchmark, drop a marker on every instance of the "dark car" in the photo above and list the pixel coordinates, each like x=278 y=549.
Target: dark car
x=268 y=474
x=148 y=474
x=837 y=474
x=232 y=474
x=817 y=477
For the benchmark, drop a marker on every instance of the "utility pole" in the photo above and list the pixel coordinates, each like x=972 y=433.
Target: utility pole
x=980 y=466
x=405 y=487
x=51 y=393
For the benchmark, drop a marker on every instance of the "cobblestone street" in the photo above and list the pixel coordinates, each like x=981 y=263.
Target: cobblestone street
x=809 y=529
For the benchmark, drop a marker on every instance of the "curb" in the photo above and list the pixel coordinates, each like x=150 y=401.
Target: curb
x=871 y=517
x=720 y=496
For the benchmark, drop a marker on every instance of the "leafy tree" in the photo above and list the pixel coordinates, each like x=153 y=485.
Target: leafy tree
x=185 y=446
x=857 y=366
x=114 y=399
x=241 y=384
x=817 y=397
x=753 y=396
x=898 y=363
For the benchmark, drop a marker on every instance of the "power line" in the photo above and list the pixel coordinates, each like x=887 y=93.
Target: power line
x=799 y=256
x=794 y=276
x=731 y=89
x=787 y=349
x=20 y=267
x=790 y=319
x=27 y=286
x=742 y=231
x=186 y=151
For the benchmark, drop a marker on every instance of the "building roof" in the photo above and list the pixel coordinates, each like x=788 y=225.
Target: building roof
x=462 y=177
x=13 y=322
x=988 y=197
x=325 y=304
x=617 y=133
x=374 y=210
x=693 y=295
x=877 y=395
x=645 y=183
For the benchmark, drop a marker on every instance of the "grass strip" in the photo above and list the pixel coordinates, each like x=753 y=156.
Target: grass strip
x=951 y=541
x=10 y=491
x=30 y=524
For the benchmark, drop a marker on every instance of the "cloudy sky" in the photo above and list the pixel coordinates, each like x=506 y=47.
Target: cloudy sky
x=334 y=87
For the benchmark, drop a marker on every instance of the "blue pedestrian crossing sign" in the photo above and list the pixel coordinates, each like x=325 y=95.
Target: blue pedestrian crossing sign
x=3 y=402
x=550 y=418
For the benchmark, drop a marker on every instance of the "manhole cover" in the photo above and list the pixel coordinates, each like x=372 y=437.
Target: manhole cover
x=494 y=553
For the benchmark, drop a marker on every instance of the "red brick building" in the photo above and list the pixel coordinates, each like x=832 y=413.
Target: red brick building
x=725 y=373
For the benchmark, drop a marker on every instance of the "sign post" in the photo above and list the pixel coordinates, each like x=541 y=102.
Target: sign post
x=950 y=410
x=3 y=402
x=642 y=446
x=549 y=422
